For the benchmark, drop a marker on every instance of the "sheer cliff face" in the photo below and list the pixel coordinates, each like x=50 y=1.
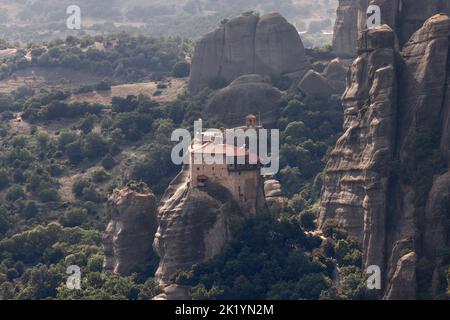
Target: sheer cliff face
x=384 y=181
x=193 y=225
x=403 y=16
x=346 y=27
x=248 y=44
x=357 y=173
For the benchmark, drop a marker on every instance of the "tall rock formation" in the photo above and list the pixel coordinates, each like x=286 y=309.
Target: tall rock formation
x=194 y=222
x=386 y=181
x=276 y=201
x=248 y=44
x=423 y=135
x=194 y=225
x=345 y=34
x=403 y=16
x=357 y=173
x=129 y=235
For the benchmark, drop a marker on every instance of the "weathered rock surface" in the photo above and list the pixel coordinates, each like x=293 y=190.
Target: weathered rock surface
x=436 y=233
x=313 y=84
x=248 y=44
x=403 y=16
x=276 y=201
x=336 y=72
x=278 y=47
x=411 y=14
x=248 y=94
x=438 y=204
x=193 y=225
x=356 y=179
x=345 y=33
x=332 y=81
x=129 y=235
x=396 y=109
x=402 y=285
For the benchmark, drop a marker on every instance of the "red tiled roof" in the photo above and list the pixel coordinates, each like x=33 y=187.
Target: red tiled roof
x=212 y=148
x=226 y=149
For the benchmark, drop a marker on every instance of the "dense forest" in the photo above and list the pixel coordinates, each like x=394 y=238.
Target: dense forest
x=121 y=57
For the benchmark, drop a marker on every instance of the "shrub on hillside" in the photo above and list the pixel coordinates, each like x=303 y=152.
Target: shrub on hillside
x=73 y=217
x=100 y=175
x=4 y=179
x=15 y=193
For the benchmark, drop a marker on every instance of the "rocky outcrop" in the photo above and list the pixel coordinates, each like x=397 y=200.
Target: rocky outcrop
x=403 y=16
x=275 y=199
x=129 y=235
x=402 y=285
x=248 y=44
x=193 y=225
x=278 y=47
x=248 y=94
x=345 y=34
x=336 y=72
x=313 y=84
x=384 y=182
x=332 y=81
x=411 y=14
x=356 y=180
x=438 y=204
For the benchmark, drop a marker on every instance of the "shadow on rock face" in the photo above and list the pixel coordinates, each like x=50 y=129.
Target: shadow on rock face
x=129 y=235
x=194 y=226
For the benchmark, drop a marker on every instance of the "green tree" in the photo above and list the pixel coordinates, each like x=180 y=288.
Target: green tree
x=4 y=221
x=308 y=219
x=108 y=162
x=15 y=193
x=87 y=124
x=48 y=195
x=100 y=175
x=78 y=187
x=30 y=209
x=95 y=263
x=95 y=146
x=4 y=179
x=73 y=217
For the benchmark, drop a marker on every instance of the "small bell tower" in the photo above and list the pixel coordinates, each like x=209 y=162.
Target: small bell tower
x=250 y=121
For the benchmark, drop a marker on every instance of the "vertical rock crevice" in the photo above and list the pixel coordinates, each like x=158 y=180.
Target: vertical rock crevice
x=385 y=181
